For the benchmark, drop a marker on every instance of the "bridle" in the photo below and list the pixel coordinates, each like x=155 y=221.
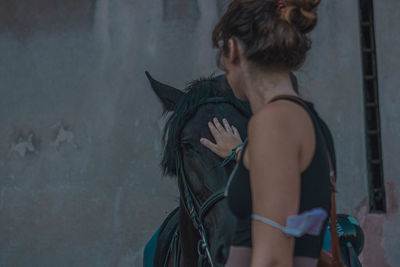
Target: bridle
x=194 y=209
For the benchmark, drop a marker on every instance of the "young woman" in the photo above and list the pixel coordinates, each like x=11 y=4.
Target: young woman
x=283 y=170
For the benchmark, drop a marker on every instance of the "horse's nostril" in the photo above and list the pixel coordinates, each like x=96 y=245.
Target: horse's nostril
x=222 y=254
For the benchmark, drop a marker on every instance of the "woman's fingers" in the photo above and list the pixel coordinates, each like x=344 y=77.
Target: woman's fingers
x=227 y=126
x=218 y=126
x=214 y=132
x=210 y=145
x=235 y=131
x=225 y=137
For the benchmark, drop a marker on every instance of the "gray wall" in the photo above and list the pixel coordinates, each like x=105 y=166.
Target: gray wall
x=333 y=79
x=383 y=248
x=80 y=143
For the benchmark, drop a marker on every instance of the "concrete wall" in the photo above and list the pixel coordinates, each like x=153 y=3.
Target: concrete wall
x=333 y=79
x=382 y=247
x=80 y=137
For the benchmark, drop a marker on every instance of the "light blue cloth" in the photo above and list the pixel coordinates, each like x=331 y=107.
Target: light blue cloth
x=309 y=222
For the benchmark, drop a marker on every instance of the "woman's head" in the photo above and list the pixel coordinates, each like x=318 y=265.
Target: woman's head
x=265 y=33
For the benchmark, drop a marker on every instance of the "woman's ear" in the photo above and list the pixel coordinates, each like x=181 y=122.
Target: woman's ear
x=235 y=51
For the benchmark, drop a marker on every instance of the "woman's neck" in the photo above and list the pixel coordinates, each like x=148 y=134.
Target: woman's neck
x=263 y=85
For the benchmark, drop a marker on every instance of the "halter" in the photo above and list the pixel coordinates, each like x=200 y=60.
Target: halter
x=194 y=209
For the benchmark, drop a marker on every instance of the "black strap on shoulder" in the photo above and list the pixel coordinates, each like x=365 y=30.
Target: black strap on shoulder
x=315 y=117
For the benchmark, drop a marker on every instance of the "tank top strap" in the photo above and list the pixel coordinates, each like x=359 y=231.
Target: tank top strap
x=319 y=124
x=302 y=103
x=292 y=98
x=285 y=96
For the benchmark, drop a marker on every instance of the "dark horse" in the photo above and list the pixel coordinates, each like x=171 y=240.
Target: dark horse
x=205 y=222
x=199 y=231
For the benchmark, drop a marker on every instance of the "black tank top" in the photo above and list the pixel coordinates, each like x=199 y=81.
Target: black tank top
x=314 y=191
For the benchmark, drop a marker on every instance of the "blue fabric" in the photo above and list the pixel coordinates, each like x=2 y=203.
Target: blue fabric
x=327 y=240
x=150 y=250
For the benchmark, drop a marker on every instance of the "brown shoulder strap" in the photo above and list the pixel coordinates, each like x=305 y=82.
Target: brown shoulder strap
x=334 y=234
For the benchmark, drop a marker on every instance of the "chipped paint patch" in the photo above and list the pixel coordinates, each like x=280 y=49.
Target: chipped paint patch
x=375 y=229
x=22 y=147
x=63 y=137
x=374 y=252
x=391 y=231
x=393 y=198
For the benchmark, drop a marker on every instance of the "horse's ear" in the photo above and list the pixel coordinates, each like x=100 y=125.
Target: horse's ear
x=168 y=95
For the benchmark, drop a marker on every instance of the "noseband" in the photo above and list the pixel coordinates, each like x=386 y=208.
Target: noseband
x=194 y=209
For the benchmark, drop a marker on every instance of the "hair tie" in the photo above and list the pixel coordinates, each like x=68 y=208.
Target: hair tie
x=281 y=5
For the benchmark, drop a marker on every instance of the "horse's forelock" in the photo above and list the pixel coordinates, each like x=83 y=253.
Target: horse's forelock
x=196 y=92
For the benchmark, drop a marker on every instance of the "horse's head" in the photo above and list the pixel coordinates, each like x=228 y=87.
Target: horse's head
x=186 y=158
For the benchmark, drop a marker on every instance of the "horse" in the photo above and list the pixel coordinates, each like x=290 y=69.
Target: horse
x=205 y=223
x=199 y=231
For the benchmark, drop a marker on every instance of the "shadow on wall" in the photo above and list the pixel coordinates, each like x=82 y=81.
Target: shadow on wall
x=180 y=9
x=23 y=18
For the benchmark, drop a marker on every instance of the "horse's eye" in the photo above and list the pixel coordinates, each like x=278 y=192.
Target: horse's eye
x=186 y=145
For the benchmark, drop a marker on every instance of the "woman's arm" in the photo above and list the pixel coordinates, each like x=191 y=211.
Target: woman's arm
x=273 y=159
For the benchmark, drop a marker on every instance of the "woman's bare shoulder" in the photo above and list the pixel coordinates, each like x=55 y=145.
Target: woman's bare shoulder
x=281 y=115
x=282 y=125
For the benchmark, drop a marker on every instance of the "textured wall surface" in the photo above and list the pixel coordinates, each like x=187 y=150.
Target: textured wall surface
x=333 y=73
x=383 y=232
x=80 y=128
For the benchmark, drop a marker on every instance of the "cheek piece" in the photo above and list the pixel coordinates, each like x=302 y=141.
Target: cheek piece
x=309 y=222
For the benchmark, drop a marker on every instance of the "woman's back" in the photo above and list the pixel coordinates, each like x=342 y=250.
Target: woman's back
x=314 y=192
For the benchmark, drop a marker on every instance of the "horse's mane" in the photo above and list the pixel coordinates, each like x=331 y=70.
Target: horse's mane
x=196 y=93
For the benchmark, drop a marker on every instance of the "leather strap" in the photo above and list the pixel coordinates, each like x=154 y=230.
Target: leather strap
x=336 y=260
x=334 y=234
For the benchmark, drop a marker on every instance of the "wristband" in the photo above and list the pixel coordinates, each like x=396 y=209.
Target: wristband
x=232 y=155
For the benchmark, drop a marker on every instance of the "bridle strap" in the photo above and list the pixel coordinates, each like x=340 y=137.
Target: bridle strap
x=176 y=246
x=189 y=200
x=210 y=202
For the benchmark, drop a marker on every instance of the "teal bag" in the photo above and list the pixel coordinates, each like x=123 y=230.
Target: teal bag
x=165 y=233
x=351 y=239
x=150 y=250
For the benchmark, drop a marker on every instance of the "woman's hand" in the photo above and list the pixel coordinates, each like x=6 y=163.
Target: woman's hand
x=226 y=137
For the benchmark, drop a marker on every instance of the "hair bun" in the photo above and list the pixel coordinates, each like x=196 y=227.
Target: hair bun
x=301 y=13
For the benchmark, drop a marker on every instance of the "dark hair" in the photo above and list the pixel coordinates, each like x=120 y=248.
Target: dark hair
x=270 y=35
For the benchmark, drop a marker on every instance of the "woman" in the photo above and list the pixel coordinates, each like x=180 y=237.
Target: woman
x=283 y=169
